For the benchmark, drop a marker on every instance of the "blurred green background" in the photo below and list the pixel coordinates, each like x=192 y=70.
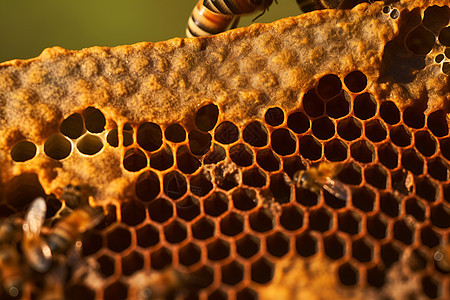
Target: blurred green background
x=29 y=26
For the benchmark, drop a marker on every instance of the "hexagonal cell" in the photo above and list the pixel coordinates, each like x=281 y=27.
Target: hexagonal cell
x=292 y=165
x=226 y=178
x=201 y=184
x=404 y=232
x=268 y=160
x=377 y=226
x=363 y=198
x=389 y=204
x=175 y=133
x=436 y=17
x=216 y=204
x=291 y=217
x=160 y=258
x=277 y=244
x=414 y=117
x=232 y=273
x=160 y=210
x=202 y=229
x=365 y=106
x=214 y=156
x=147 y=236
x=429 y=237
x=375 y=131
x=445 y=147
x=362 y=151
x=320 y=220
x=218 y=295
x=118 y=239
x=283 y=142
x=425 y=143
x=388 y=155
x=349 y=128
x=376 y=276
x=446 y=67
x=23 y=151
x=134 y=160
x=390 y=254
x=306 y=244
x=175 y=232
x=376 y=176
x=420 y=40
x=440 y=216
x=439 y=58
x=199 y=142
x=350 y=174
x=206 y=117
x=280 y=190
x=323 y=128
x=336 y=150
x=412 y=161
x=274 y=116
x=362 y=250
x=89 y=144
x=244 y=199
x=254 y=177
x=188 y=208
x=333 y=201
x=310 y=148
x=339 y=106
x=246 y=294
x=189 y=254
x=438 y=169
x=127 y=133
x=247 y=246
x=72 y=126
x=186 y=162
x=107 y=265
x=400 y=136
x=162 y=160
x=417 y=260
x=426 y=189
x=175 y=185
x=232 y=224
x=57 y=146
x=298 y=122
x=205 y=276
x=94 y=120
x=262 y=220
x=312 y=104
x=437 y=123
x=92 y=242
x=255 y=134
x=415 y=208
x=446 y=192
x=262 y=271
x=355 y=81
x=109 y=219
x=116 y=290
x=334 y=246
x=305 y=197
x=432 y=287
x=241 y=155
x=349 y=222
x=149 y=136
x=132 y=213
x=389 y=112
x=131 y=263
x=226 y=133
x=218 y=250
x=329 y=86
x=348 y=274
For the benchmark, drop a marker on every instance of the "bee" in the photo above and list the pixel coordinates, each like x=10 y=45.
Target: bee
x=442 y=258
x=74 y=196
x=162 y=285
x=12 y=277
x=310 y=5
x=214 y=16
x=322 y=176
x=54 y=284
x=9 y=229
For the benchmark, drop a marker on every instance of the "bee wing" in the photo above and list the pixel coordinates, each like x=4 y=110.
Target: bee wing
x=34 y=218
x=336 y=188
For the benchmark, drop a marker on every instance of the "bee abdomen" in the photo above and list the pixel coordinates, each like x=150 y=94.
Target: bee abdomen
x=204 y=22
x=229 y=7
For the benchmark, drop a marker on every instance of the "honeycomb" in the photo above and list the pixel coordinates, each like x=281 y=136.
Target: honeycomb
x=191 y=146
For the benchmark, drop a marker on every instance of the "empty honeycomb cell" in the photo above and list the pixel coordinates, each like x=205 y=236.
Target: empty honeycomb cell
x=431 y=287
x=216 y=204
x=417 y=260
x=312 y=104
x=388 y=155
x=255 y=134
x=203 y=228
x=186 y=162
x=444 y=36
x=332 y=201
x=241 y=155
x=306 y=244
x=90 y=144
x=440 y=216
x=226 y=179
x=127 y=133
x=445 y=147
x=348 y=274
x=232 y=224
x=415 y=208
x=403 y=232
x=199 y=142
x=349 y=222
x=377 y=226
x=277 y=244
x=425 y=143
x=79 y=291
x=206 y=117
x=94 y=120
x=23 y=151
x=350 y=174
x=426 y=189
x=118 y=239
x=375 y=131
x=414 y=117
x=57 y=146
x=365 y=106
x=109 y=219
x=72 y=126
x=400 y=136
x=21 y=190
x=435 y=17
x=189 y=254
x=291 y=217
x=248 y=245
x=283 y=141
x=363 y=198
x=439 y=58
x=420 y=40
x=310 y=148
x=362 y=151
x=160 y=210
x=175 y=133
x=339 y=106
x=437 y=123
x=92 y=242
x=226 y=133
x=147 y=186
x=254 y=177
x=446 y=193
x=106 y=264
x=323 y=128
x=412 y=161
x=262 y=271
x=175 y=185
x=279 y=188
x=53 y=206
x=376 y=176
x=376 y=276
x=147 y=236
x=447 y=52
x=116 y=290
x=244 y=199
x=218 y=250
x=429 y=237
x=112 y=138
x=232 y=273
x=149 y=136
x=390 y=254
x=162 y=160
x=305 y=197
x=362 y=250
x=292 y=165
x=329 y=86
x=349 y=129
x=394 y=14
x=274 y=116
x=298 y=122
x=188 y=208
x=268 y=160
x=131 y=263
x=334 y=246
x=320 y=220
x=261 y=220
x=175 y=232
x=355 y=81
x=134 y=160
x=218 y=295
x=216 y=155
x=161 y=258
x=132 y=212
x=446 y=68
x=246 y=294
x=389 y=112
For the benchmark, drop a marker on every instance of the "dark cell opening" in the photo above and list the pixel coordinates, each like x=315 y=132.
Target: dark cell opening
x=425 y=143
x=415 y=208
x=279 y=188
x=216 y=155
x=274 y=116
x=22 y=190
x=72 y=126
x=116 y=290
x=412 y=161
x=431 y=287
x=127 y=134
x=162 y=160
x=323 y=128
x=79 y=291
x=203 y=229
x=255 y=134
x=291 y=217
x=132 y=263
x=161 y=258
x=241 y=155
x=186 y=162
x=420 y=41
x=376 y=277
x=283 y=142
x=334 y=246
x=435 y=17
x=175 y=232
x=262 y=271
x=349 y=129
x=355 y=81
x=216 y=204
x=310 y=148
x=440 y=216
x=388 y=156
x=247 y=246
x=349 y=222
x=268 y=160
x=298 y=122
x=429 y=237
x=305 y=197
x=232 y=273
x=206 y=117
x=320 y=220
x=445 y=147
x=147 y=186
x=109 y=219
x=175 y=185
x=365 y=106
x=350 y=174
x=133 y=213
x=444 y=36
x=414 y=117
x=119 y=239
x=389 y=254
x=292 y=165
x=389 y=205
x=377 y=227
x=201 y=184
x=175 y=133
x=106 y=265
x=147 y=236
x=226 y=133
x=218 y=250
x=90 y=144
x=446 y=68
x=375 y=131
x=277 y=244
x=362 y=250
x=438 y=169
x=394 y=14
x=403 y=232
x=339 y=106
x=440 y=57
x=94 y=120
x=329 y=86
x=246 y=294
x=306 y=244
x=149 y=136
x=437 y=123
x=232 y=224
x=363 y=198
x=389 y=112
x=348 y=274
x=92 y=242
x=376 y=176
x=199 y=142
x=362 y=151
x=188 y=208
x=134 y=160
x=254 y=177
x=113 y=138
x=335 y=150
x=400 y=136
x=244 y=199
x=312 y=104
x=189 y=254
x=426 y=189
x=262 y=220
x=218 y=295
x=57 y=147
x=160 y=210
x=23 y=151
